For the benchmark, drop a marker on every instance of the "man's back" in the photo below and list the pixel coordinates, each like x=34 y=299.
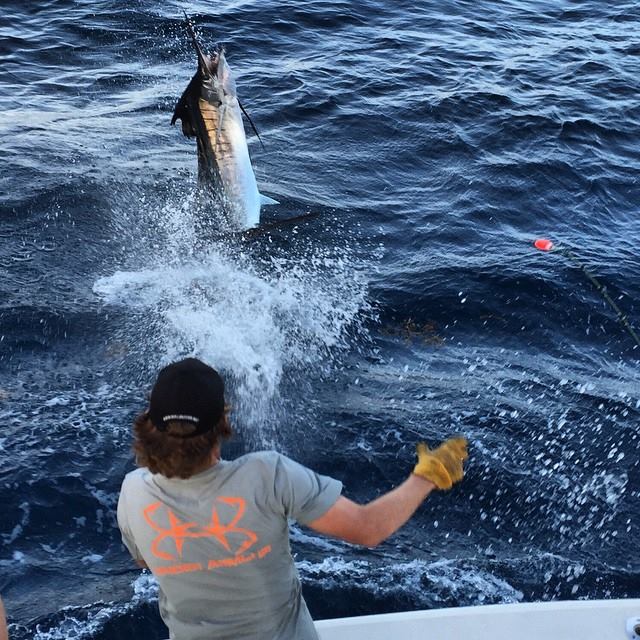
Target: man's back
x=218 y=544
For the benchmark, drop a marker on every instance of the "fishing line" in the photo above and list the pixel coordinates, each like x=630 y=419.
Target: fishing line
x=13 y=76
x=543 y=244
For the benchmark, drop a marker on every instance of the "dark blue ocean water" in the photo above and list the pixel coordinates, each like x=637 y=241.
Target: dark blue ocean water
x=433 y=142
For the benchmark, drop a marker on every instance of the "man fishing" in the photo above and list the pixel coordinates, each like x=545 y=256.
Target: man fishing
x=215 y=532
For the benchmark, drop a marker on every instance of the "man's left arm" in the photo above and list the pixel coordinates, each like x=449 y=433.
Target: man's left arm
x=4 y=633
x=125 y=530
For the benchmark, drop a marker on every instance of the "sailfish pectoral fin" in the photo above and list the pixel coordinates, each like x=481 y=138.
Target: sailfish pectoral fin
x=253 y=126
x=182 y=111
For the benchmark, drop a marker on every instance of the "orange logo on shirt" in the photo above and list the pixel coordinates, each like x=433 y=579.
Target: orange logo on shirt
x=228 y=534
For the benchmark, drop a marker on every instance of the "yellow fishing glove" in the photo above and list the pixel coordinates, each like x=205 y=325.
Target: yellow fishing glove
x=442 y=466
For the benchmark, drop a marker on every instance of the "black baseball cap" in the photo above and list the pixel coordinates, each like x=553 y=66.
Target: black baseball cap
x=187 y=391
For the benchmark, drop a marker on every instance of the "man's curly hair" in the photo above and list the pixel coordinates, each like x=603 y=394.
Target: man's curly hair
x=173 y=456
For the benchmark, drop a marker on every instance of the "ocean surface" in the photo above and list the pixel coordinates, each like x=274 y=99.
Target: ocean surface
x=427 y=144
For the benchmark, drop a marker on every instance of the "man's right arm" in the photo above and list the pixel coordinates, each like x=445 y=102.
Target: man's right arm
x=372 y=523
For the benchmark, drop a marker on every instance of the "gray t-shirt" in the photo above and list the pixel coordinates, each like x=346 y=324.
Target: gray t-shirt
x=218 y=544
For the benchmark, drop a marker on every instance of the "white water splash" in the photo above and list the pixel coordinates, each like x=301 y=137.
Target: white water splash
x=252 y=321
x=428 y=582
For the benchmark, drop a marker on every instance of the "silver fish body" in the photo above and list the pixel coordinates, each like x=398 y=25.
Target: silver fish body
x=210 y=111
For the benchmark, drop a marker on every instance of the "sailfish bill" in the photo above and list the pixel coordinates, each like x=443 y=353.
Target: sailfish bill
x=210 y=112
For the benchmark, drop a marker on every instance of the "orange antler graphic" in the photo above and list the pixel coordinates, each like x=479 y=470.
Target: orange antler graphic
x=220 y=531
x=179 y=531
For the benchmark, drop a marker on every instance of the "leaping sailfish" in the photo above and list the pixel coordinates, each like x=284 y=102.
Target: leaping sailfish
x=211 y=112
